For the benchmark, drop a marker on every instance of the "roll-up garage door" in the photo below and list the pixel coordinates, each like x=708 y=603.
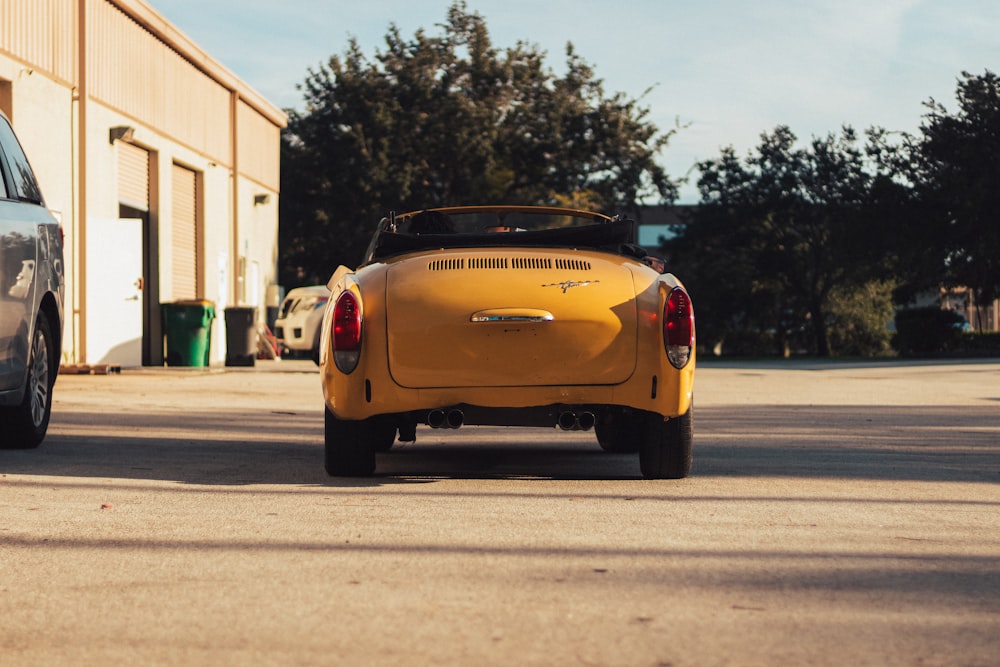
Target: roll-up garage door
x=133 y=176
x=184 y=236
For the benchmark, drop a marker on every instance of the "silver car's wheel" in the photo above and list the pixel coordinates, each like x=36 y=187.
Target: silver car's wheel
x=25 y=425
x=666 y=448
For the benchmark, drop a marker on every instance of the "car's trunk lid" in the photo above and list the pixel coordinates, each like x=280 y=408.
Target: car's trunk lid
x=510 y=317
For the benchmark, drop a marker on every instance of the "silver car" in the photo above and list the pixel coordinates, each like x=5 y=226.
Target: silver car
x=31 y=299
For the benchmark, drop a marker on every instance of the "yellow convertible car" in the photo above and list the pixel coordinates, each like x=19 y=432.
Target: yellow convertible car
x=509 y=316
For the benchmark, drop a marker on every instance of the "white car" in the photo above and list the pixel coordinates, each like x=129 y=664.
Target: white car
x=298 y=325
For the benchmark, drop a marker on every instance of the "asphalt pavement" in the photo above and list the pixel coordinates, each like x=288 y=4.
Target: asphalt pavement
x=837 y=513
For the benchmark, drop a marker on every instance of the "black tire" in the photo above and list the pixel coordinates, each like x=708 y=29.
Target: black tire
x=619 y=432
x=24 y=425
x=314 y=352
x=667 y=446
x=384 y=434
x=350 y=445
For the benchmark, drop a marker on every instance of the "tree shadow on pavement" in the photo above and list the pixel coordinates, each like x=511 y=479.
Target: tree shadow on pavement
x=844 y=442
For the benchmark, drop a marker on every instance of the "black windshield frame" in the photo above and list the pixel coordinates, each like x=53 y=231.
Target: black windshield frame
x=591 y=231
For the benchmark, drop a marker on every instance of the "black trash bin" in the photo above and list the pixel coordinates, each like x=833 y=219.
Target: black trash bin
x=241 y=336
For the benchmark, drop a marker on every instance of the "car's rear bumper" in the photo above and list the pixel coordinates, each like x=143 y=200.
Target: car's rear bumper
x=296 y=336
x=358 y=397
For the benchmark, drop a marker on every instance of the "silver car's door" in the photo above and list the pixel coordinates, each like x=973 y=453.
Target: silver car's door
x=20 y=216
x=18 y=243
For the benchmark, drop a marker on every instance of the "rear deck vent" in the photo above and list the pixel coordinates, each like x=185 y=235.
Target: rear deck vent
x=488 y=262
x=537 y=263
x=446 y=264
x=532 y=263
x=573 y=264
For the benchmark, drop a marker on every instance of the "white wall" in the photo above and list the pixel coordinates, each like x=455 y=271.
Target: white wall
x=44 y=120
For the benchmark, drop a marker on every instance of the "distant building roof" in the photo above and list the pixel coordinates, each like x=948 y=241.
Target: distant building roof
x=656 y=222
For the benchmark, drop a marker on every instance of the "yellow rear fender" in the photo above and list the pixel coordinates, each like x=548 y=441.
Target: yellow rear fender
x=343 y=279
x=678 y=382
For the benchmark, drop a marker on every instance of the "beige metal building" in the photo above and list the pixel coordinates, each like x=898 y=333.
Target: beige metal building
x=161 y=164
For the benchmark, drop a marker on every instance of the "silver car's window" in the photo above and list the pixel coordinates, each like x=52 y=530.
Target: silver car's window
x=23 y=178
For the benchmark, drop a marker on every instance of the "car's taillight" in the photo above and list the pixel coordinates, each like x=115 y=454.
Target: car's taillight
x=347 y=332
x=678 y=327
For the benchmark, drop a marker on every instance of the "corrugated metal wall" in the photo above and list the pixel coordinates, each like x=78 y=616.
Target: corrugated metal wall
x=259 y=146
x=130 y=70
x=42 y=33
x=133 y=71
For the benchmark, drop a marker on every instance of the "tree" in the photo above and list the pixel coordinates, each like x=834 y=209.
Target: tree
x=452 y=120
x=953 y=169
x=777 y=235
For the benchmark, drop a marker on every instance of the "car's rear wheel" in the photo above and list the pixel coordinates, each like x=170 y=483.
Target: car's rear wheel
x=351 y=444
x=314 y=352
x=618 y=432
x=666 y=447
x=25 y=425
x=384 y=435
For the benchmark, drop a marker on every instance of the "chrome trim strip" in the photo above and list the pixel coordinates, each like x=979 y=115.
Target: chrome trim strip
x=486 y=316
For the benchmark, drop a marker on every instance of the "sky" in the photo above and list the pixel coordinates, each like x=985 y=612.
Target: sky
x=724 y=71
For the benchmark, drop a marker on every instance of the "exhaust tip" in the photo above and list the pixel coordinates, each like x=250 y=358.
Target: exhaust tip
x=455 y=419
x=441 y=419
x=586 y=420
x=567 y=421
x=436 y=419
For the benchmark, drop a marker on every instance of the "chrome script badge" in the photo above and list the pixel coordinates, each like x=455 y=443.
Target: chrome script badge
x=567 y=284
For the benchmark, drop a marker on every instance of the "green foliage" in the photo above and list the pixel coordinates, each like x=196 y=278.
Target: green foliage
x=981 y=344
x=795 y=248
x=859 y=317
x=949 y=204
x=451 y=120
x=776 y=234
x=960 y=156
x=923 y=332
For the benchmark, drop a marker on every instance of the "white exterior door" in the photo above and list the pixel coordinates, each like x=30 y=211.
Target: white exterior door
x=114 y=291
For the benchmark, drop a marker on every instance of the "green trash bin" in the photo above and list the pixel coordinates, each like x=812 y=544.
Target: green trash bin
x=187 y=326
